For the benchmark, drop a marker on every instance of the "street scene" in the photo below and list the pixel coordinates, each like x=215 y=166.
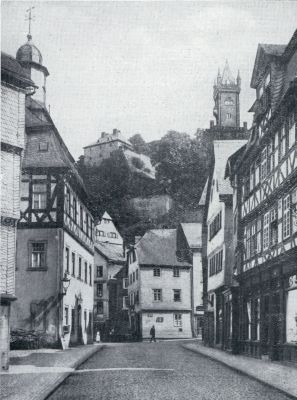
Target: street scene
x=148 y=200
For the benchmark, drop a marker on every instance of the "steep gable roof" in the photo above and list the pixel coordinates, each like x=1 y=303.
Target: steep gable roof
x=112 y=252
x=223 y=149
x=193 y=234
x=41 y=129
x=158 y=247
x=265 y=53
x=12 y=71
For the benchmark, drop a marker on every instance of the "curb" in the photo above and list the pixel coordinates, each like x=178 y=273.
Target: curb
x=54 y=386
x=242 y=372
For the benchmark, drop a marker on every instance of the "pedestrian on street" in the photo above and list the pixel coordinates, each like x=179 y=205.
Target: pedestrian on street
x=153 y=334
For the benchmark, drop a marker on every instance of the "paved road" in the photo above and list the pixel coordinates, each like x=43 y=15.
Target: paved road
x=153 y=371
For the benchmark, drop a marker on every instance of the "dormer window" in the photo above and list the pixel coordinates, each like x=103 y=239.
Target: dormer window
x=43 y=146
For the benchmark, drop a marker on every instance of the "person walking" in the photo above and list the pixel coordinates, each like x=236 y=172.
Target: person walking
x=153 y=334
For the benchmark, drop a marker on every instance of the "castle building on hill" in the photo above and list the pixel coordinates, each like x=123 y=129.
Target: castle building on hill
x=109 y=146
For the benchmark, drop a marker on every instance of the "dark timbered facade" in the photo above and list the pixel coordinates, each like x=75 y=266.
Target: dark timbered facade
x=264 y=179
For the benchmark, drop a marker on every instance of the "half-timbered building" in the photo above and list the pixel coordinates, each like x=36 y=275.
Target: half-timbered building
x=264 y=179
x=55 y=233
x=14 y=87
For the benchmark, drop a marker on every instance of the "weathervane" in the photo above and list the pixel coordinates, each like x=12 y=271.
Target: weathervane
x=29 y=18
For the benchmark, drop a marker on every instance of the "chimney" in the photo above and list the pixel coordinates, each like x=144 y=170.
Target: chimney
x=115 y=132
x=245 y=126
x=103 y=135
x=211 y=123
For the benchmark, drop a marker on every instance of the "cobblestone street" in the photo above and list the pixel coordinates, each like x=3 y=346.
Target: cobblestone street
x=162 y=370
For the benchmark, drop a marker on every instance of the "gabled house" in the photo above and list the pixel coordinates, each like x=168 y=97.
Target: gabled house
x=55 y=248
x=220 y=251
x=159 y=287
x=110 y=291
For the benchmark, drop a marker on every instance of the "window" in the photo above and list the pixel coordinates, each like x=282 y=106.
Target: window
x=67 y=204
x=264 y=163
x=229 y=115
x=133 y=275
x=67 y=259
x=79 y=267
x=176 y=295
x=156 y=272
x=229 y=101
x=136 y=274
x=75 y=209
x=73 y=263
x=215 y=225
x=259 y=235
x=85 y=319
x=292 y=130
x=99 y=307
x=87 y=224
x=90 y=275
x=43 y=146
x=176 y=272
x=177 y=320
x=125 y=283
x=266 y=231
x=253 y=238
x=101 y=233
x=86 y=272
x=132 y=256
x=112 y=235
x=286 y=217
x=160 y=319
x=137 y=297
x=252 y=177
x=99 y=271
x=125 y=302
x=39 y=195
x=66 y=316
x=273 y=227
x=157 y=294
x=81 y=217
x=99 y=289
x=255 y=328
x=283 y=143
x=38 y=255
x=215 y=263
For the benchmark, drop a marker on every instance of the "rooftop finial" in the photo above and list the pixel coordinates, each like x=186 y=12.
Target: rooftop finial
x=29 y=17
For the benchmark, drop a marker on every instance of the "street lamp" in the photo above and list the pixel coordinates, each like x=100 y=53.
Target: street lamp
x=66 y=282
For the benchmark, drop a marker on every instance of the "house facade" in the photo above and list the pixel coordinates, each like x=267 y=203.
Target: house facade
x=159 y=287
x=110 y=312
x=189 y=248
x=55 y=243
x=265 y=185
x=14 y=86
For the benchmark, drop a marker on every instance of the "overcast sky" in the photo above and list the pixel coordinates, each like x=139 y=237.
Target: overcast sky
x=144 y=67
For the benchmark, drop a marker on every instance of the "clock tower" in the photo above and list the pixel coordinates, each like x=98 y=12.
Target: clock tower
x=226 y=97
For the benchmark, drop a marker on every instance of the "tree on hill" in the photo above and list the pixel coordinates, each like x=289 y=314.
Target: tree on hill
x=139 y=144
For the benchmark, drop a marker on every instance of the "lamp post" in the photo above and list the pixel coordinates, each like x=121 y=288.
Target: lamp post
x=66 y=282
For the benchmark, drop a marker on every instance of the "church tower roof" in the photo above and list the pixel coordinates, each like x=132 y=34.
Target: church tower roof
x=29 y=54
x=227 y=77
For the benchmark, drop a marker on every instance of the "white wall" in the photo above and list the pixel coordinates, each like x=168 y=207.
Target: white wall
x=166 y=329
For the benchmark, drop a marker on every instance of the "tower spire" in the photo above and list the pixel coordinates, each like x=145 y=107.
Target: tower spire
x=29 y=18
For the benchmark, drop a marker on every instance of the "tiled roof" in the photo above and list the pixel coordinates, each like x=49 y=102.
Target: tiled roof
x=41 y=129
x=112 y=252
x=202 y=200
x=193 y=234
x=273 y=49
x=158 y=247
x=10 y=68
x=223 y=149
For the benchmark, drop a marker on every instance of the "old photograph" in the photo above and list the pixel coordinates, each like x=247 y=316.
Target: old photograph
x=148 y=200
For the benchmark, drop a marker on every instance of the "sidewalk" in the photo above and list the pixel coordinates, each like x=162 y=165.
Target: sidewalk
x=274 y=374
x=34 y=374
